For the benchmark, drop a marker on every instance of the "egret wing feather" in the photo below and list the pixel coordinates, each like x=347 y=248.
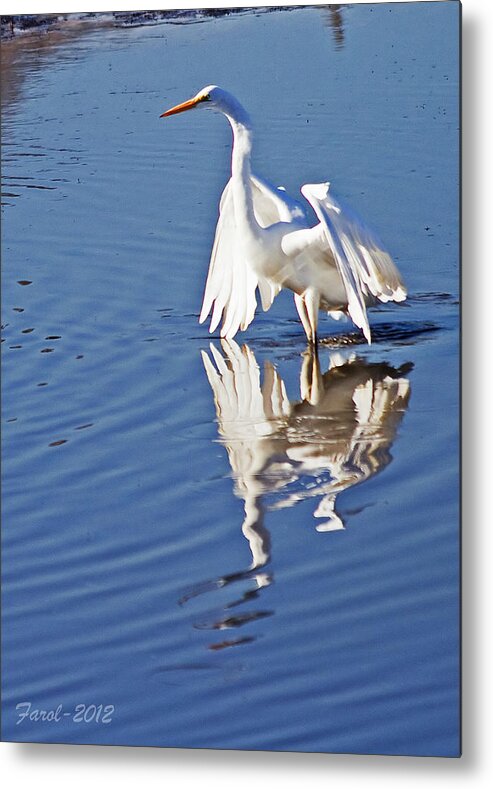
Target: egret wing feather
x=231 y=285
x=373 y=265
x=366 y=268
x=316 y=194
x=273 y=205
x=215 y=277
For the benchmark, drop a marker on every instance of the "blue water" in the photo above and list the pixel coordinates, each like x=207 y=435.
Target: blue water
x=161 y=555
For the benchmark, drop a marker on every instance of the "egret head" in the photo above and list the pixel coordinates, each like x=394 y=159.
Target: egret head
x=214 y=98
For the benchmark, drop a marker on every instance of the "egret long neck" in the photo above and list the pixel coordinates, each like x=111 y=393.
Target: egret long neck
x=240 y=175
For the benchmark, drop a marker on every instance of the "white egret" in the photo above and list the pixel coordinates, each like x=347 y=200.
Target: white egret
x=263 y=240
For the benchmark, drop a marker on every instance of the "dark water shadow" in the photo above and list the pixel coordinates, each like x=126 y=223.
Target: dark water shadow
x=291 y=343
x=398 y=333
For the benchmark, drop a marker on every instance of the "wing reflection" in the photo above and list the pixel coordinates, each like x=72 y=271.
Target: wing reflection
x=281 y=451
x=338 y=434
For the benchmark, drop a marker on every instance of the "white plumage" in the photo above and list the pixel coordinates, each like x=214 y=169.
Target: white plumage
x=263 y=243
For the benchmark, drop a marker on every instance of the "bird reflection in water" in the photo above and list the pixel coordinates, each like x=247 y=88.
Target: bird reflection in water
x=338 y=434
x=333 y=17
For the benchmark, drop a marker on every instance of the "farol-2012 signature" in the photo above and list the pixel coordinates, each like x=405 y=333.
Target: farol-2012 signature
x=80 y=713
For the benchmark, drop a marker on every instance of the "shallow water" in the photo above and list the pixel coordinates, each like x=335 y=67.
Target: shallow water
x=194 y=535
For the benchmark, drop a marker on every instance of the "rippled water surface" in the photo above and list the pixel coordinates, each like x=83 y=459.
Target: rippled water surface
x=234 y=546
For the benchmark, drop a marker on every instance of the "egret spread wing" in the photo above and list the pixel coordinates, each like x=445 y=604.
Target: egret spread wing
x=230 y=290
x=231 y=284
x=273 y=205
x=365 y=267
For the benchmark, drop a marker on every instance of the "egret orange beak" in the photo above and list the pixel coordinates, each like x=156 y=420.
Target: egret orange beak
x=186 y=105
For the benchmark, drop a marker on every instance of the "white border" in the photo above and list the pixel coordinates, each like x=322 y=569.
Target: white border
x=82 y=766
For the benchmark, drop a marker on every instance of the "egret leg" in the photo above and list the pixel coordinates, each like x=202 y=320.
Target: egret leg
x=312 y=303
x=300 y=306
